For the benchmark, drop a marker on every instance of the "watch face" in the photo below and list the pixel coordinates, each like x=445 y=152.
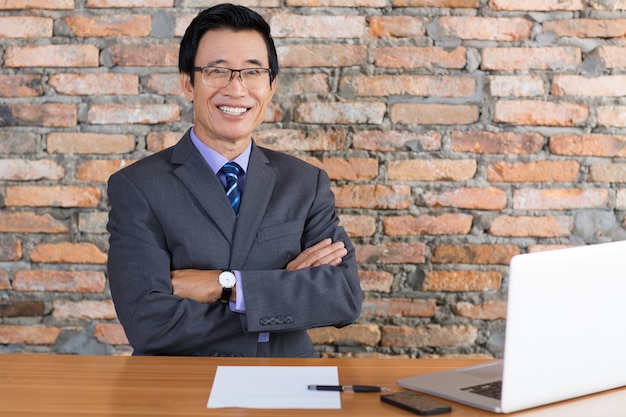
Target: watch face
x=227 y=279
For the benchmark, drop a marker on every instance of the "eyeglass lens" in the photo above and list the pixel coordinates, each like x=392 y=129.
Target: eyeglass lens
x=249 y=77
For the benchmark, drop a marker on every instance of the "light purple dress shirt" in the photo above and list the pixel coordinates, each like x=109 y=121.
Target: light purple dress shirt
x=216 y=162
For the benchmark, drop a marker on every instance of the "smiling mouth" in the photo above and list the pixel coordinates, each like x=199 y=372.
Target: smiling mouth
x=233 y=110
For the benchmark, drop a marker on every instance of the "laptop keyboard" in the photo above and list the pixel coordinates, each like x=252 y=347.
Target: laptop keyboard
x=490 y=389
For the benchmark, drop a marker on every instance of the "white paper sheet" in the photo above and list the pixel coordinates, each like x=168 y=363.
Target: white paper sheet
x=274 y=387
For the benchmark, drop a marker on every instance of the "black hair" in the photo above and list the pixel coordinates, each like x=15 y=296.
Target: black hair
x=224 y=16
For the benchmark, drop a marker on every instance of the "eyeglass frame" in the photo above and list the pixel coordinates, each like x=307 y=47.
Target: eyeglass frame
x=232 y=73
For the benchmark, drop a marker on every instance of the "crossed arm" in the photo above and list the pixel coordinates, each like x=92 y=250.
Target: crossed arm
x=202 y=286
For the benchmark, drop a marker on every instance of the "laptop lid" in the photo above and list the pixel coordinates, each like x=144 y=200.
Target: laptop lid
x=563 y=331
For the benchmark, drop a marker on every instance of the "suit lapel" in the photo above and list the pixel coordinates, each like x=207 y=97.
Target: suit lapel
x=260 y=182
x=198 y=177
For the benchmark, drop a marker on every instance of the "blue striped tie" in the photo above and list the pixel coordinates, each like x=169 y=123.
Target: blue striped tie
x=232 y=171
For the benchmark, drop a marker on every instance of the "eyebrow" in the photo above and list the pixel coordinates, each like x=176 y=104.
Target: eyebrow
x=218 y=62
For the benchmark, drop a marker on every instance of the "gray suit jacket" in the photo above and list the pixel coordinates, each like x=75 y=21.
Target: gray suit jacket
x=169 y=211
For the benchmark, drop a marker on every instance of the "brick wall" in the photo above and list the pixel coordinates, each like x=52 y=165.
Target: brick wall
x=457 y=133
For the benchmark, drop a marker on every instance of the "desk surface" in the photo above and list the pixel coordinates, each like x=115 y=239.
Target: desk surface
x=58 y=385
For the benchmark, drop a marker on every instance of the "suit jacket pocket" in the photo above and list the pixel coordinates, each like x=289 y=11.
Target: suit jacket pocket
x=279 y=231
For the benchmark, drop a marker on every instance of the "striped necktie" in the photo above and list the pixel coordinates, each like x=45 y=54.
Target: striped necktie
x=232 y=171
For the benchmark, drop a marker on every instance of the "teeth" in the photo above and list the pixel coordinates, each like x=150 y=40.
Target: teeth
x=233 y=110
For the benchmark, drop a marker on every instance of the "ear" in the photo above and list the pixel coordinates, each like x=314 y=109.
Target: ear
x=185 y=84
x=273 y=87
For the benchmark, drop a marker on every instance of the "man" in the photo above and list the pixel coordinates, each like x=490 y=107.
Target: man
x=197 y=270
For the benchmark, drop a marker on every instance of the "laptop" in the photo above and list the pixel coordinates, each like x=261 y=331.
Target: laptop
x=564 y=334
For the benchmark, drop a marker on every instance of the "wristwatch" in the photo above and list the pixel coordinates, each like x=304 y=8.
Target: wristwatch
x=227 y=281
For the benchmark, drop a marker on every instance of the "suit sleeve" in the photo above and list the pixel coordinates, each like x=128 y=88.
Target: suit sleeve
x=281 y=300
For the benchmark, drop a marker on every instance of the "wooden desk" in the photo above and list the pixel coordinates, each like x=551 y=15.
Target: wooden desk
x=57 y=385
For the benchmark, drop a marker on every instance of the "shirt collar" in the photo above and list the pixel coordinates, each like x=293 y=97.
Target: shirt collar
x=216 y=160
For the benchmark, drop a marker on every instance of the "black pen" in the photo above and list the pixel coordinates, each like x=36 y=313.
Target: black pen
x=355 y=388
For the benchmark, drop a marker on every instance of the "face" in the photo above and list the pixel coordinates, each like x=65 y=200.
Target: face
x=224 y=118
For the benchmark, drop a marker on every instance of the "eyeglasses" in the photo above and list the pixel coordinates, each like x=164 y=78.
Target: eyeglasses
x=220 y=77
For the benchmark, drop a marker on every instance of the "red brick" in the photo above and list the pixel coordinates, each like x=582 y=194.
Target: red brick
x=548 y=58
x=433 y=114
x=398 y=307
x=37 y=4
x=48 y=115
x=127 y=55
x=344 y=112
x=364 y=334
x=620 y=199
x=25 y=27
x=537 y=5
x=516 y=86
x=610 y=5
x=66 y=252
x=483 y=142
x=358 y=225
x=164 y=84
x=288 y=25
x=443 y=224
x=93 y=222
x=27 y=308
x=10 y=250
x=373 y=196
x=352 y=169
x=396 y=140
x=25 y=170
x=462 y=281
x=420 y=57
x=311 y=56
x=588 y=145
x=84 y=309
x=54 y=196
x=386 y=85
x=88 y=143
x=100 y=170
x=132 y=114
x=489 y=198
x=474 y=254
x=110 y=333
x=587 y=28
x=432 y=335
x=391 y=253
x=540 y=171
x=540 y=113
x=607 y=172
x=432 y=169
x=300 y=83
x=456 y=4
x=325 y=3
x=560 y=199
x=106 y=4
x=95 y=84
x=485 y=28
x=377 y=281
x=614 y=116
x=531 y=226
x=42 y=280
x=288 y=140
x=20 y=85
x=488 y=310
x=29 y=222
x=109 y=25
x=613 y=56
x=31 y=335
x=51 y=56
x=397 y=26
x=576 y=85
x=157 y=141
x=5 y=284
x=20 y=143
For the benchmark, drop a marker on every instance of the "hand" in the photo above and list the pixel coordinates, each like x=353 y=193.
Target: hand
x=323 y=253
x=200 y=286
